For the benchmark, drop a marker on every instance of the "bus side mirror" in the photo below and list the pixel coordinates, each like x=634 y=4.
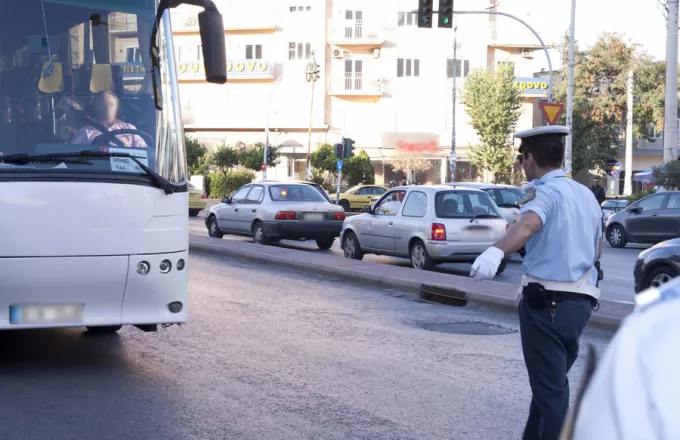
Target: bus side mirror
x=214 y=50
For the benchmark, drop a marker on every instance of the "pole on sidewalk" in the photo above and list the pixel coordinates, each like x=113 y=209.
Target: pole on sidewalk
x=337 y=191
x=452 y=157
x=670 y=129
x=628 y=183
x=266 y=129
x=570 y=93
x=312 y=75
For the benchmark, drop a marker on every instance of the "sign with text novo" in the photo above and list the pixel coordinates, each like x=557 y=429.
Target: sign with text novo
x=412 y=144
x=235 y=68
x=531 y=86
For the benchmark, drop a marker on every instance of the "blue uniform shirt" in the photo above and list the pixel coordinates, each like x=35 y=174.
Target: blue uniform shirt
x=565 y=248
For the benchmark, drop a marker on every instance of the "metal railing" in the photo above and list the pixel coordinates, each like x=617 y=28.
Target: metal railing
x=357 y=83
x=354 y=31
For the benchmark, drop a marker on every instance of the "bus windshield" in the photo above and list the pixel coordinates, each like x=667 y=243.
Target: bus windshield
x=74 y=76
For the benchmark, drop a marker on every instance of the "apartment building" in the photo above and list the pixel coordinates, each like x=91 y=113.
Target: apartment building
x=384 y=82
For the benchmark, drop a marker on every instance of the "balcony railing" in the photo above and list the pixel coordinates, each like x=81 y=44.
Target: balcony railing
x=356 y=84
x=355 y=33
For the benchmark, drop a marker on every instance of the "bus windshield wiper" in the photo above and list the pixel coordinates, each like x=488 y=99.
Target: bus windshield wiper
x=484 y=216
x=25 y=159
x=161 y=181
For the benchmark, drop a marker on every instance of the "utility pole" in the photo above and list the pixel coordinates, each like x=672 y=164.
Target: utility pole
x=628 y=183
x=670 y=126
x=312 y=74
x=452 y=157
x=570 y=93
x=266 y=129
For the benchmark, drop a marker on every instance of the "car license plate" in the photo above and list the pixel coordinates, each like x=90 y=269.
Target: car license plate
x=45 y=313
x=314 y=217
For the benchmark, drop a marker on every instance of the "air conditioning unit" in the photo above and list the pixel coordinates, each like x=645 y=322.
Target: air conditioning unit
x=526 y=53
x=337 y=52
x=376 y=53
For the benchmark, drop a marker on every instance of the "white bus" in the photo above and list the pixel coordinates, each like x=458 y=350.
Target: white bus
x=93 y=174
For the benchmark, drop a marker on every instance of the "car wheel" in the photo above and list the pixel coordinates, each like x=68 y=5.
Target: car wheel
x=104 y=330
x=420 y=259
x=213 y=229
x=325 y=243
x=351 y=246
x=616 y=236
x=345 y=205
x=194 y=212
x=660 y=276
x=502 y=267
x=259 y=237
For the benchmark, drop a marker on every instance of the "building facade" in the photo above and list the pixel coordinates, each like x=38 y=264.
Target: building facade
x=383 y=81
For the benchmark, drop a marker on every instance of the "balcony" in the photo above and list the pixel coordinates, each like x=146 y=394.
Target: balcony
x=356 y=85
x=356 y=34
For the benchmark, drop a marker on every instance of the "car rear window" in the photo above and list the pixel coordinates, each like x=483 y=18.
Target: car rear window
x=464 y=204
x=321 y=191
x=295 y=193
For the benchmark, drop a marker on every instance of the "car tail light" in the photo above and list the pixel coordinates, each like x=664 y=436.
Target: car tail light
x=204 y=196
x=338 y=216
x=285 y=215
x=438 y=232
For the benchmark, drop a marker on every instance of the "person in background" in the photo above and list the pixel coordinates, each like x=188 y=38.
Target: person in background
x=393 y=183
x=598 y=191
x=419 y=182
x=404 y=182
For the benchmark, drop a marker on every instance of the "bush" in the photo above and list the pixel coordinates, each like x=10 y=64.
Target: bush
x=635 y=197
x=235 y=180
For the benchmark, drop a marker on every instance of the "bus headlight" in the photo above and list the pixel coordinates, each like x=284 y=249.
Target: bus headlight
x=165 y=266
x=143 y=268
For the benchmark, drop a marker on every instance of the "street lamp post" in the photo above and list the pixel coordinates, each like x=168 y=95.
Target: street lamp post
x=312 y=75
x=266 y=128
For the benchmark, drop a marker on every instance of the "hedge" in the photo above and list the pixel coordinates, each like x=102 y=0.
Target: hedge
x=235 y=180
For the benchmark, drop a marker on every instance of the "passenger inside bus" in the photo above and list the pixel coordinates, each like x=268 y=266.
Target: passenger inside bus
x=105 y=110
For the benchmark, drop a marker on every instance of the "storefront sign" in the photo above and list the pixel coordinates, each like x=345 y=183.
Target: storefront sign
x=412 y=144
x=132 y=70
x=532 y=86
x=235 y=68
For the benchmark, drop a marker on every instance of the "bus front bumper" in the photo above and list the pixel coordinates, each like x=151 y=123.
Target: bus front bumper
x=44 y=292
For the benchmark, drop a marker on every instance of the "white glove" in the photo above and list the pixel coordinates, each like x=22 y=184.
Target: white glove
x=486 y=265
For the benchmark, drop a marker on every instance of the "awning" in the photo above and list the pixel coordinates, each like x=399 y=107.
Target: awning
x=646 y=176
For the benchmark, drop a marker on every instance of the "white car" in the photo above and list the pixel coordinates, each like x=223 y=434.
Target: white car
x=273 y=211
x=506 y=197
x=429 y=224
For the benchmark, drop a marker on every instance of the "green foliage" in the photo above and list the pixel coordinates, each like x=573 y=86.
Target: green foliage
x=253 y=157
x=358 y=169
x=494 y=107
x=323 y=159
x=635 y=197
x=222 y=184
x=197 y=156
x=224 y=158
x=600 y=98
x=668 y=174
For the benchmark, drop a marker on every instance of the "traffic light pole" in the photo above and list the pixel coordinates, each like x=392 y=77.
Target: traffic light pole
x=312 y=73
x=337 y=191
x=452 y=157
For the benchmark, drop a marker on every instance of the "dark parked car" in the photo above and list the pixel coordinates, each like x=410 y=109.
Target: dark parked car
x=650 y=220
x=657 y=265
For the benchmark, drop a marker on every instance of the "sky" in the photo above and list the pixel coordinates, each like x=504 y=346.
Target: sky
x=640 y=20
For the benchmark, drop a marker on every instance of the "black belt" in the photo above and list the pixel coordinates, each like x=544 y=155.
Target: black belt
x=540 y=298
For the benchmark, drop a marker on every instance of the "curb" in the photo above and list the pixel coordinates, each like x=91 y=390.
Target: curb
x=483 y=296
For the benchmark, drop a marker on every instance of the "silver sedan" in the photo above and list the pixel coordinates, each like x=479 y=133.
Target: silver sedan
x=274 y=211
x=427 y=224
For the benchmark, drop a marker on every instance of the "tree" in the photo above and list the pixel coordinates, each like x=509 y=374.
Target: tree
x=494 y=107
x=196 y=156
x=668 y=174
x=410 y=165
x=323 y=159
x=224 y=159
x=252 y=157
x=358 y=169
x=600 y=98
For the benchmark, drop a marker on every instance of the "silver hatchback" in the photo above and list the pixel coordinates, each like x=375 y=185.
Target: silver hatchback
x=430 y=224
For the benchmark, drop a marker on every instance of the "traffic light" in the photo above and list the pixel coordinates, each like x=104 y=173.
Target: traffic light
x=347 y=148
x=338 y=151
x=425 y=13
x=272 y=155
x=445 y=13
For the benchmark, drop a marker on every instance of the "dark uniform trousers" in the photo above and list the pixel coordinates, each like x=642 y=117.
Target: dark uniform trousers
x=550 y=348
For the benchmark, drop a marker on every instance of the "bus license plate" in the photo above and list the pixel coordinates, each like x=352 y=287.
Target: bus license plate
x=45 y=314
x=314 y=217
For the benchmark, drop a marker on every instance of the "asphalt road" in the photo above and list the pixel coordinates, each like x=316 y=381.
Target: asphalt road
x=273 y=354
x=617 y=264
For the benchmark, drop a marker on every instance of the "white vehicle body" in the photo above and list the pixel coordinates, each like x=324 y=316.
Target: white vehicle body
x=90 y=239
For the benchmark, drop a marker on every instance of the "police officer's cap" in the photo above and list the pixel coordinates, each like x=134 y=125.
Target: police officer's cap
x=548 y=133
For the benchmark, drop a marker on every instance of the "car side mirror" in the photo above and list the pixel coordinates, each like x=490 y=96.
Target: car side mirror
x=368 y=209
x=226 y=200
x=635 y=210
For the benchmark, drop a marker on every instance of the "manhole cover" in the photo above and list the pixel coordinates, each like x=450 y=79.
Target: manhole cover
x=469 y=328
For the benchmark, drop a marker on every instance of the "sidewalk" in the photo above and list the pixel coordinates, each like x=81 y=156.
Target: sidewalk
x=487 y=293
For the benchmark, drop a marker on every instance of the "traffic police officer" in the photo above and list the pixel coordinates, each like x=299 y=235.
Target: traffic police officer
x=560 y=228
x=633 y=394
